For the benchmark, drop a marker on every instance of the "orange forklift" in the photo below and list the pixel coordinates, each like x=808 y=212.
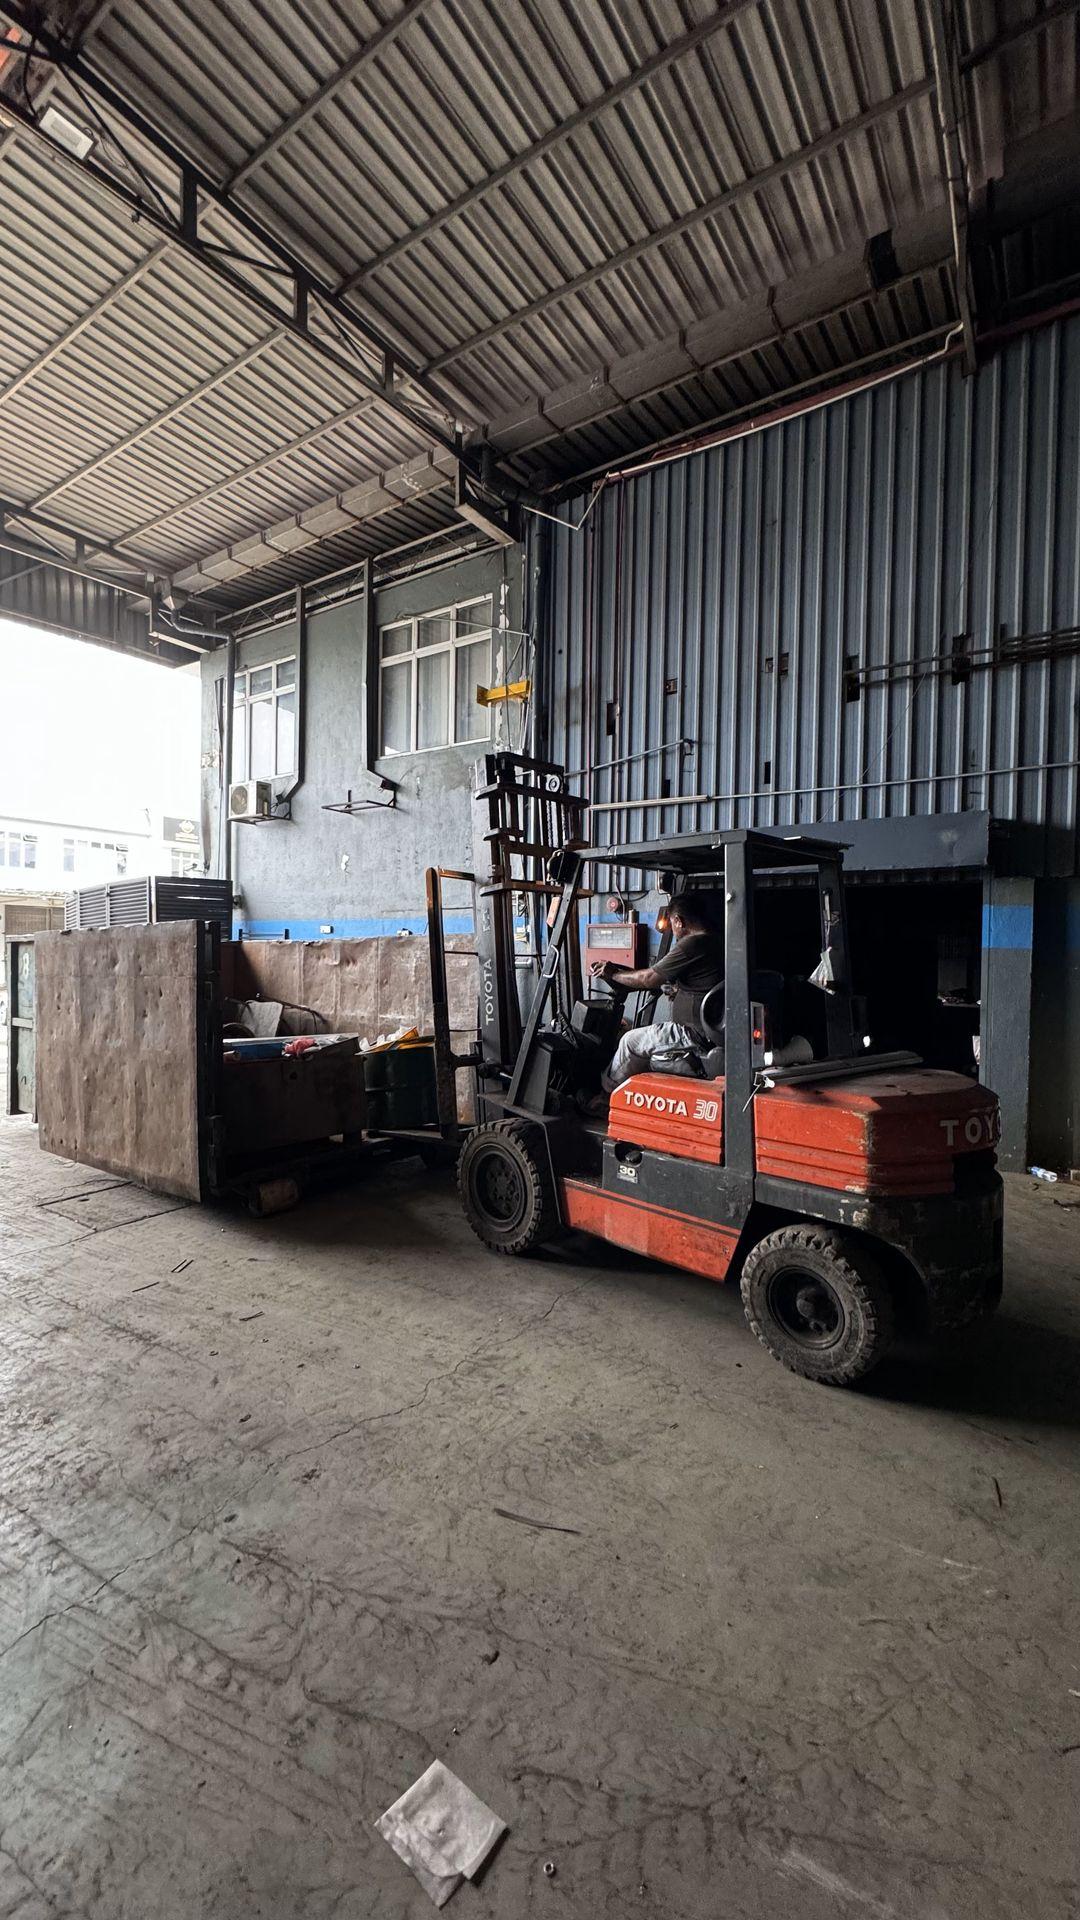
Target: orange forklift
x=849 y=1191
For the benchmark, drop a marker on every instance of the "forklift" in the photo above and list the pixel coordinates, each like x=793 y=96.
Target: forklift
x=849 y=1191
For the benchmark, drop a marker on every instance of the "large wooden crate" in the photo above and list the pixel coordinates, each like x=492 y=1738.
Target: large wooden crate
x=123 y=1028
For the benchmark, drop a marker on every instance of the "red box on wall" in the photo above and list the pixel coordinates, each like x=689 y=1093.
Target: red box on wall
x=620 y=941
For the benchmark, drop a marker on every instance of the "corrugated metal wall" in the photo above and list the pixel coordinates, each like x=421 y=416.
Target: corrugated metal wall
x=722 y=598
x=67 y=603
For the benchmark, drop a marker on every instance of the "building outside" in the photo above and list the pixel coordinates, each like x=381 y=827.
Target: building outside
x=57 y=856
x=99 y=766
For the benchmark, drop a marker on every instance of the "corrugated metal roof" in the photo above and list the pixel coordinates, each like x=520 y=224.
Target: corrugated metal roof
x=520 y=193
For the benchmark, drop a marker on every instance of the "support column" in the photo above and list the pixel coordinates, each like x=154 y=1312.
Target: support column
x=1005 y=1046
x=1054 y=1121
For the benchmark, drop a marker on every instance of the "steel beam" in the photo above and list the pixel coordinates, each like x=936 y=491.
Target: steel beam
x=639 y=76
x=160 y=419
x=83 y=543
x=943 y=55
x=250 y=472
x=427 y=411
x=322 y=95
x=375 y=495
x=989 y=50
x=717 y=204
x=1010 y=36
x=11 y=543
x=85 y=319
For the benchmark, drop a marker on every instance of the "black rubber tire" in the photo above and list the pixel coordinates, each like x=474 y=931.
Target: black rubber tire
x=820 y=1303
x=506 y=1189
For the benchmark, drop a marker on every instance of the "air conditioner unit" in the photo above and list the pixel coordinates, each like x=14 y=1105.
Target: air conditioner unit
x=251 y=800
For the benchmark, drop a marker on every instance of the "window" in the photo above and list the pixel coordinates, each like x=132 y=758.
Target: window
x=18 y=849
x=184 y=861
x=429 y=670
x=98 y=859
x=264 y=722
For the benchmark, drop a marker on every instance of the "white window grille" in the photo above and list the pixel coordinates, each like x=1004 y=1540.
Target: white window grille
x=264 y=722
x=429 y=670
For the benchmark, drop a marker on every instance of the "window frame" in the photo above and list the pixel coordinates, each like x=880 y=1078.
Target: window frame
x=414 y=654
x=242 y=712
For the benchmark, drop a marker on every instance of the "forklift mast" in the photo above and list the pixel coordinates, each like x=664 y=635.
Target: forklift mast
x=522 y=817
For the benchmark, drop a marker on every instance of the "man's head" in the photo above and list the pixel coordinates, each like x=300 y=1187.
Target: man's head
x=686 y=915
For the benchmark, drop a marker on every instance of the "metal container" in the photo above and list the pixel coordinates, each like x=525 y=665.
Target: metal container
x=400 y=1085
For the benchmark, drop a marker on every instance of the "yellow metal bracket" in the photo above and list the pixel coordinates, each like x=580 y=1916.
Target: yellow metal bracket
x=514 y=690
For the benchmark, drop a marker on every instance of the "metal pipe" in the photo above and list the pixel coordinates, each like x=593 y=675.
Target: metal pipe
x=850 y=786
x=301 y=698
x=647 y=753
x=788 y=410
x=946 y=102
x=225 y=827
x=372 y=688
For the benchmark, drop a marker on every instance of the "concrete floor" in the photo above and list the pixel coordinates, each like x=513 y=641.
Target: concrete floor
x=804 y=1653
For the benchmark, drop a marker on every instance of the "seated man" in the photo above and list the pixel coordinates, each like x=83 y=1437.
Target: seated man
x=693 y=963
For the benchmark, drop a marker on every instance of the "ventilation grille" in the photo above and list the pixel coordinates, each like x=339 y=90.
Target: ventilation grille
x=194 y=898
x=141 y=903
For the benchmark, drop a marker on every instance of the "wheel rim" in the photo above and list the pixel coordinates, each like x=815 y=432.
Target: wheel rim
x=807 y=1308
x=499 y=1190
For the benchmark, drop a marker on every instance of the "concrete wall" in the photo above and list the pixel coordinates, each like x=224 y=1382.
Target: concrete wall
x=359 y=875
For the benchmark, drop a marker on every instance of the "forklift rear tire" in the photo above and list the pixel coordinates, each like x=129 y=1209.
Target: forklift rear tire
x=506 y=1188
x=819 y=1302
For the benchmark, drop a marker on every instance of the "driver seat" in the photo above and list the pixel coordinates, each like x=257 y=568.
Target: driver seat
x=698 y=1063
x=707 y=1062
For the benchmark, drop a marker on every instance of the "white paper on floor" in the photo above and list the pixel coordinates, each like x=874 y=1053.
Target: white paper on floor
x=441 y=1830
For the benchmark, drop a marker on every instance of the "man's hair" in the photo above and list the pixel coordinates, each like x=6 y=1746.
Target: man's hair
x=692 y=910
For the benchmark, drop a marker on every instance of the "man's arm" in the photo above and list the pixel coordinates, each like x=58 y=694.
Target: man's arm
x=667 y=971
x=627 y=977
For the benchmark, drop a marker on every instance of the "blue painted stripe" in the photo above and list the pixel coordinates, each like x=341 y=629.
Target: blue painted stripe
x=378 y=926
x=1007 y=927
x=1072 y=926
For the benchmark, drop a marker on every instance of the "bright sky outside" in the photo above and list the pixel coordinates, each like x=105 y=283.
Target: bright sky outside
x=94 y=738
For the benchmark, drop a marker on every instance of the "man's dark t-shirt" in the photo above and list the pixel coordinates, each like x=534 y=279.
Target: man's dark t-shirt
x=688 y=969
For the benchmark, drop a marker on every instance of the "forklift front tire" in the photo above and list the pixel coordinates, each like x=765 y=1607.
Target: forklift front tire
x=819 y=1302
x=506 y=1187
